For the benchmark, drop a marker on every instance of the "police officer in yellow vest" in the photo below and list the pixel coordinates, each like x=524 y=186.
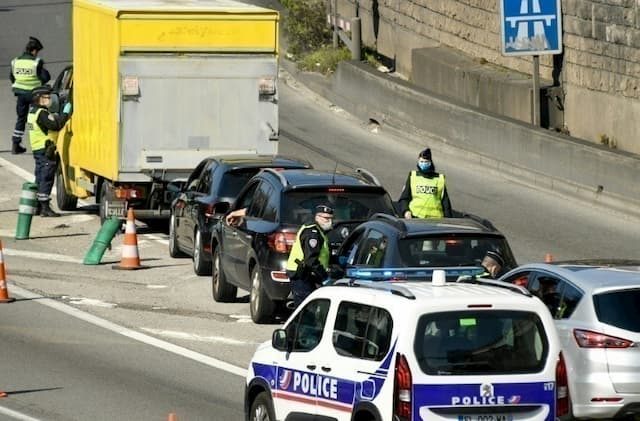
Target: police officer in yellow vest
x=424 y=194
x=39 y=123
x=309 y=257
x=27 y=73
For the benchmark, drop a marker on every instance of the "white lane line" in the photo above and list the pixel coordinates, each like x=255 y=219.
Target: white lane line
x=41 y=256
x=157 y=238
x=16 y=415
x=141 y=337
x=196 y=338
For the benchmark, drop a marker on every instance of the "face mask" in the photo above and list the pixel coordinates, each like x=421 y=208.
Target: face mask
x=326 y=226
x=424 y=166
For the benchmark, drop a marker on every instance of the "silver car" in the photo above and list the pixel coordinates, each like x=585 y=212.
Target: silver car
x=596 y=307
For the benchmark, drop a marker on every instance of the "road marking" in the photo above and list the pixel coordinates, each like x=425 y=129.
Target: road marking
x=16 y=415
x=193 y=337
x=41 y=256
x=82 y=301
x=129 y=333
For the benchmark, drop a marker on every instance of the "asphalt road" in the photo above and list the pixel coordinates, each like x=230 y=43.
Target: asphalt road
x=46 y=355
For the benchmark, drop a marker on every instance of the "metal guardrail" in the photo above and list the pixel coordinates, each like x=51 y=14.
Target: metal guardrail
x=349 y=31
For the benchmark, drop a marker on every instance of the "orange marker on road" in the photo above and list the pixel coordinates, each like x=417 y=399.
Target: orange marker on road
x=4 y=292
x=130 y=256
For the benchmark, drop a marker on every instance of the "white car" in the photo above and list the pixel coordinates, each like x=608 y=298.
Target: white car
x=363 y=351
x=596 y=307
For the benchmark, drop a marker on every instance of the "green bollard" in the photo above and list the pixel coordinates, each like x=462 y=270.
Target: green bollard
x=26 y=210
x=102 y=241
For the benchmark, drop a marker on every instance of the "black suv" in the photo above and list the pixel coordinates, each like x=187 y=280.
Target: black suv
x=253 y=256
x=386 y=242
x=205 y=197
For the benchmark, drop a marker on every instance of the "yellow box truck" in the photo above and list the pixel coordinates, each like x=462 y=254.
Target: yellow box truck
x=156 y=86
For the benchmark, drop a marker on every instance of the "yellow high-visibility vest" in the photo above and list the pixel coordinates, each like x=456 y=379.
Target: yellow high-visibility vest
x=37 y=136
x=297 y=253
x=426 y=196
x=25 y=72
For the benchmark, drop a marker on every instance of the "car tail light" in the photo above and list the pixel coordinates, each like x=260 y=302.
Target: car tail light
x=589 y=339
x=125 y=192
x=402 y=395
x=267 y=85
x=281 y=241
x=335 y=190
x=562 y=388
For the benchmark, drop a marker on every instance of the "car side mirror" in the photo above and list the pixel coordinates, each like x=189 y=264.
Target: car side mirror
x=279 y=340
x=176 y=186
x=223 y=207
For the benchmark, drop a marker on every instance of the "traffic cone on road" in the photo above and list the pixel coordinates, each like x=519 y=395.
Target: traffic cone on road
x=130 y=256
x=548 y=258
x=4 y=292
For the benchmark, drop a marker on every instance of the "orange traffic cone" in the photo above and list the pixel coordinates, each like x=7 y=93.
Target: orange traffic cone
x=548 y=258
x=130 y=256
x=4 y=292
x=172 y=417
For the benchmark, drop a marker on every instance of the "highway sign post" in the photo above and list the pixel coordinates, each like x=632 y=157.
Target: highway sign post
x=531 y=27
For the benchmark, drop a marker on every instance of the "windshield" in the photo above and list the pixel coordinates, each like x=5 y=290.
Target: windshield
x=480 y=342
x=452 y=250
x=234 y=181
x=299 y=206
x=619 y=309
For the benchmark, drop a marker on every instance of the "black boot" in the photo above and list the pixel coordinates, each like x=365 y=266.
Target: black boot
x=38 y=208
x=17 y=149
x=46 y=210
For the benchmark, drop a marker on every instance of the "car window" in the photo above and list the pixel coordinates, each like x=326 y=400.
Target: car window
x=372 y=250
x=260 y=198
x=547 y=288
x=619 y=309
x=452 y=250
x=204 y=186
x=571 y=296
x=247 y=197
x=299 y=205
x=362 y=331
x=520 y=279
x=270 y=212
x=306 y=329
x=480 y=342
x=194 y=178
x=233 y=181
x=350 y=247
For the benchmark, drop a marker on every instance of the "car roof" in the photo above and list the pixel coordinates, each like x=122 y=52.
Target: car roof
x=593 y=277
x=317 y=178
x=257 y=161
x=430 y=226
x=416 y=293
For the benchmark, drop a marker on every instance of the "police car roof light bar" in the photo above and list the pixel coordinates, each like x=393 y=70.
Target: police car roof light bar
x=493 y=282
x=369 y=175
x=278 y=174
x=394 y=289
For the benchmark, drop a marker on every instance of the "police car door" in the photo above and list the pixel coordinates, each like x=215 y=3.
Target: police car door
x=357 y=359
x=294 y=392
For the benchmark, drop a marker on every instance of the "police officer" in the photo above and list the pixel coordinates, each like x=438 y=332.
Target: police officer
x=424 y=194
x=493 y=263
x=39 y=123
x=27 y=73
x=309 y=257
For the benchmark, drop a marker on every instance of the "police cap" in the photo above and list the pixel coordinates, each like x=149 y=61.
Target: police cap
x=496 y=256
x=34 y=44
x=41 y=90
x=324 y=209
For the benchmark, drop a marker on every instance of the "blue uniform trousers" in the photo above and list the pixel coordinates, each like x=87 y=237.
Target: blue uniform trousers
x=23 y=101
x=45 y=174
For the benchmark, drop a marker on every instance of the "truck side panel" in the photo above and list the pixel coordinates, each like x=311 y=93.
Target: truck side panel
x=93 y=146
x=191 y=106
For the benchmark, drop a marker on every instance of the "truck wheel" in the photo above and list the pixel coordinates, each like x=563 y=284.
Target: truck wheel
x=174 y=249
x=64 y=200
x=261 y=408
x=201 y=265
x=260 y=304
x=104 y=193
x=222 y=291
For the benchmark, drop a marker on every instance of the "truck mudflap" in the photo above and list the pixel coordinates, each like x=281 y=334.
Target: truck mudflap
x=485 y=401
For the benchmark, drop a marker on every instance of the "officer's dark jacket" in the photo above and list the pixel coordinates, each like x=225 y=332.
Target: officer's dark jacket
x=311 y=254
x=49 y=121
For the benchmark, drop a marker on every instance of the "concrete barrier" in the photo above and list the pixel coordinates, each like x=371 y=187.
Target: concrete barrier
x=540 y=157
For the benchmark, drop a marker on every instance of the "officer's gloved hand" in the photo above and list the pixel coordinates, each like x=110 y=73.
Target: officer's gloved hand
x=67 y=108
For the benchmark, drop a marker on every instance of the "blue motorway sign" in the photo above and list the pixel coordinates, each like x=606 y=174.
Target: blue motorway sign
x=531 y=27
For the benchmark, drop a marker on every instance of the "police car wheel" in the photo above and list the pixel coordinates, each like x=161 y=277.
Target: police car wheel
x=200 y=265
x=261 y=409
x=260 y=304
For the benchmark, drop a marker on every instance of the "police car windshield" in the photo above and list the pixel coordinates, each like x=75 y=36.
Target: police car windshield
x=480 y=342
x=449 y=250
x=347 y=205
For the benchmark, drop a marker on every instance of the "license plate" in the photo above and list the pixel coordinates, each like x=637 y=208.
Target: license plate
x=117 y=209
x=486 y=417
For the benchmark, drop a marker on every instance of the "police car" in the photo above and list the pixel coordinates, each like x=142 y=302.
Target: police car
x=474 y=350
